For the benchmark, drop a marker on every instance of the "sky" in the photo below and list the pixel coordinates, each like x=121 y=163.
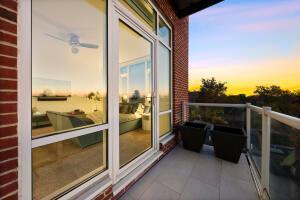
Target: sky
x=246 y=43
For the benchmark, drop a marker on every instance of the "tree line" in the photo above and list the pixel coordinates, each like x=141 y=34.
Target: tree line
x=281 y=100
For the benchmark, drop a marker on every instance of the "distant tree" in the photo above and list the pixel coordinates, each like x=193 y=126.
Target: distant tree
x=211 y=90
x=274 y=91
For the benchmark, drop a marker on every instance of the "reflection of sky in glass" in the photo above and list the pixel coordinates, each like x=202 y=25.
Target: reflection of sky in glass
x=164 y=71
x=137 y=78
x=164 y=32
x=52 y=59
x=50 y=87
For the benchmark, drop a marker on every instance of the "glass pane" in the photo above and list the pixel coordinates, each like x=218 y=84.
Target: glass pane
x=164 y=124
x=256 y=138
x=164 y=88
x=143 y=11
x=234 y=117
x=69 y=75
x=164 y=32
x=135 y=102
x=284 y=161
x=58 y=167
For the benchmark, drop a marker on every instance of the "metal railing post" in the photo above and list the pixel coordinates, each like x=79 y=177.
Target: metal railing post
x=266 y=144
x=248 y=125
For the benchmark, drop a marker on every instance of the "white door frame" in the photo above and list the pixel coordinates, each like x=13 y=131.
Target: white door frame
x=122 y=14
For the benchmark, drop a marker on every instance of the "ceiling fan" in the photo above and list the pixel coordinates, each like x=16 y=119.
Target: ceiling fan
x=73 y=40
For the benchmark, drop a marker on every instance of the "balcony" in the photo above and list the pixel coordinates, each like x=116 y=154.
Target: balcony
x=270 y=169
x=187 y=175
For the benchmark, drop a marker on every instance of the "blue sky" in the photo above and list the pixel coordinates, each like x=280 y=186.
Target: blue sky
x=246 y=43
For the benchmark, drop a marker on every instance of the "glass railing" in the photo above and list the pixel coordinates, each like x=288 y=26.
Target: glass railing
x=284 y=161
x=212 y=114
x=256 y=139
x=273 y=143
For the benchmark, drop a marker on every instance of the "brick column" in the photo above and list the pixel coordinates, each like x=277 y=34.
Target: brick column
x=8 y=100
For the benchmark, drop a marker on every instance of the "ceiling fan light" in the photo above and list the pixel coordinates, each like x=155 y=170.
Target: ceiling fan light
x=75 y=50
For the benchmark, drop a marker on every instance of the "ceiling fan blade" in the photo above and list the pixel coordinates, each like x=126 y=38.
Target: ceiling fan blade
x=91 y=46
x=55 y=37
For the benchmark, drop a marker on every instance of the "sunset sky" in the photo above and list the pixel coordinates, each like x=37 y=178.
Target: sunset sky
x=246 y=43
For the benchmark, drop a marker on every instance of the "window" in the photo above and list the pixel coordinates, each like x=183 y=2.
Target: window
x=135 y=102
x=164 y=124
x=143 y=11
x=69 y=76
x=59 y=166
x=69 y=94
x=164 y=32
x=164 y=79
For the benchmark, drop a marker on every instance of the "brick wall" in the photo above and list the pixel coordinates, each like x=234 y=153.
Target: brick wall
x=8 y=100
x=180 y=57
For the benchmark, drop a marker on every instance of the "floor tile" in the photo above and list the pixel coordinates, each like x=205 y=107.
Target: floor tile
x=197 y=190
x=236 y=189
x=208 y=171
x=158 y=191
x=174 y=178
x=126 y=197
x=146 y=181
x=233 y=170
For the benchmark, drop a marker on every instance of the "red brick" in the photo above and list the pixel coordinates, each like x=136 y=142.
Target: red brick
x=8 y=131
x=13 y=196
x=8 y=177
x=8 y=50
x=9 y=4
x=8 y=84
x=8 y=165
x=8 y=142
x=8 y=96
x=108 y=191
x=7 y=14
x=100 y=197
x=9 y=188
x=8 y=154
x=8 y=108
x=4 y=25
x=8 y=73
x=8 y=62
x=8 y=119
x=8 y=38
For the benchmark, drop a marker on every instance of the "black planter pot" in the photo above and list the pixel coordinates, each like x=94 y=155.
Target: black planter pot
x=228 y=142
x=193 y=135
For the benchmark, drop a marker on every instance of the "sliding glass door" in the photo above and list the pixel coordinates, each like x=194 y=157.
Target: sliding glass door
x=135 y=94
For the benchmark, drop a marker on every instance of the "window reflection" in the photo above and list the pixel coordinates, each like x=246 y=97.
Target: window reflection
x=164 y=31
x=60 y=166
x=143 y=11
x=164 y=79
x=69 y=79
x=135 y=106
x=164 y=124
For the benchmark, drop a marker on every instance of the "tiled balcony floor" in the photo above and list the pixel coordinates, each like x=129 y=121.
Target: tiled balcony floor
x=187 y=175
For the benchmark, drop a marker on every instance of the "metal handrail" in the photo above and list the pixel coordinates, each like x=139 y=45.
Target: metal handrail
x=218 y=105
x=256 y=109
x=285 y=119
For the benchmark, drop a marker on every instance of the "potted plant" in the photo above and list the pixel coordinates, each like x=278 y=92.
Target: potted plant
x=193 y=135
x=228 y=142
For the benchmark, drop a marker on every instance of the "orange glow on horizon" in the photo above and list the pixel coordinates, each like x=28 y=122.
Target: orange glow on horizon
x=242 y=79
